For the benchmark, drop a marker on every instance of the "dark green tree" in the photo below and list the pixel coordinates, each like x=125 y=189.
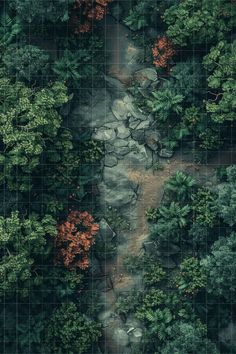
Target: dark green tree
x=227 y=198
x=193 y=21
x=28 y=121
x=220 y=62
x=179 y=187
x=220 y=268
x=26 y=62
x=190 y=278
x=71 y=332
x=189 y=338
x=22 y=242
x=37 y=11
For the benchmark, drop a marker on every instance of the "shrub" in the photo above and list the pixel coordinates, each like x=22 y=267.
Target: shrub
x=165 y=103
x=70 y=332
x=162 y=52
x=220 y=268
x=199 y=21
x=75 y=237
x=27 y=62
x=190 y=278
x=179 y=187
x=204 y=207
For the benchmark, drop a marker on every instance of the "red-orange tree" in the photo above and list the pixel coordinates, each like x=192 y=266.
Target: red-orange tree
x=162 y=51
x=74 y=239
x=85 y=12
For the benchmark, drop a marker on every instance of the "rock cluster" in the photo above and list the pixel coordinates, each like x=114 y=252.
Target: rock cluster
x=130 y=138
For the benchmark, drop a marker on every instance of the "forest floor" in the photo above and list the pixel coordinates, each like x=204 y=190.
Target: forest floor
x=122 y=62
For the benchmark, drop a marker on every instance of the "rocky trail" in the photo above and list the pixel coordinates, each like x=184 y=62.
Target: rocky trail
x=129 y=182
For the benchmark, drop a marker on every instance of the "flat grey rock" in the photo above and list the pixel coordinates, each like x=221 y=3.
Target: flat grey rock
x=104 y=134
x=120 y=143
x=152 y=139
x=105 y=231
x=94 y=112
x=121 y=151
x=133 y=122
x=110 y=161
x=109 y=147
x=119 y=109
x=123 y=132
x=121 y=337
x=138 y=135
x=144 y=125
x=166 y=153
x=149 y=74
x=136 y=335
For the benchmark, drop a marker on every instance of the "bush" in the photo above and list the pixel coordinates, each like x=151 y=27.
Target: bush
x=199 y=21
x=36 y=11
x=190 y=278
x=154 y=275
x=189 y=338
x=220 y=268
x=220 y=62
x=27 y=62
x=165 y=103
x=70 y=332
x=179 y=187
x=204 y=207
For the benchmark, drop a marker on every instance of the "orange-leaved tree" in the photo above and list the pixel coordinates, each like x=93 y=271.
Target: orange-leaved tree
x=85 y=12
x=74 y=239
x=162 y=51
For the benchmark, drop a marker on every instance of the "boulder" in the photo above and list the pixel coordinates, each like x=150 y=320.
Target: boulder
x=136 y=335
x=120 y=337
x=132 y=109
x=166 y=153
x=120 y=143
x=121 y=151
x=145 y=124
x=110 y=160
x=134 y=122
x=149 y=247
x=119 y=109
x=109 y=147
x=105 y=231
x=167 y=262
x=93 y=112
x=170 y=250
x=138 y=135
x=146 y=76
x=104 y=134
x=123 y=132
x=117 y=197
x=152 y=139
x=116 y=189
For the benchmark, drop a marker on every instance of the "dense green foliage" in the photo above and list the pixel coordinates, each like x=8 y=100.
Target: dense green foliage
x=190 y=230
x=193 y=100
x=44 y=174
x=71 y=332
x=187 y=275
x=26 y=62
x=32 y=10
x=199 y=21
x=220 y=268
x=189 y=338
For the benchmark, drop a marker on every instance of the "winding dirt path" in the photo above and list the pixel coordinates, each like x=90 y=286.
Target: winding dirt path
x=120 y=50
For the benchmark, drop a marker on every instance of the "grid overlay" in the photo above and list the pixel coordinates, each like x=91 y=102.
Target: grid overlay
x=101 y=94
